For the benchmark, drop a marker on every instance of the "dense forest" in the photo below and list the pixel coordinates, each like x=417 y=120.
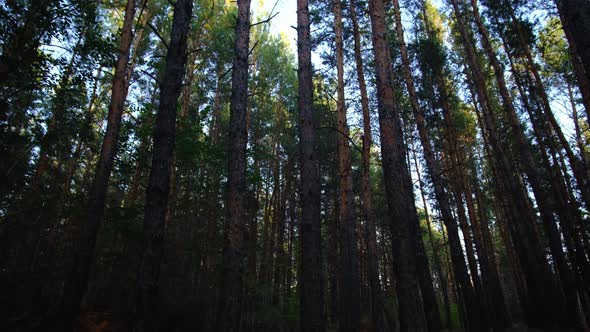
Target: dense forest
x=385 y=165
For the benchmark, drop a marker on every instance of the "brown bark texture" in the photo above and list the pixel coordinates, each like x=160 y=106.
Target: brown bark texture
x=157 y=193
x=229 y=311
x=312 y=304
x=92 y=216
x=399 y=195
x=350 y=285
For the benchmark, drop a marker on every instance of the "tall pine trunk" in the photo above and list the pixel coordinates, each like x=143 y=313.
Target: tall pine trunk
x=312 y=304
x=159 y=181
x=376 y=296
x=229 y=311
x=92 y=216
x=399 y=196
x=435 y=172
x=539 y=279
x=437 y=263
x=575 y=19
x=527 y=161
x=350 y=285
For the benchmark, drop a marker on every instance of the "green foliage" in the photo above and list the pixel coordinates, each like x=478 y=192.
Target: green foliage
x=554 y=50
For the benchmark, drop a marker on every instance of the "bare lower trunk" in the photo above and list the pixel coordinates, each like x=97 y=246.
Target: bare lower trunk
x=157 y=193
x=437 y=263
x=90 y=223
x=539 y=279
x=312 y=304
x=350 y=285
x=575 y=19
x=377 y=313
x=527 y=162
x=399 y=196
x=229 y=311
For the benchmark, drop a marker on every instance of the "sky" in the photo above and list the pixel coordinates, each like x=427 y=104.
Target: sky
x=283 y=22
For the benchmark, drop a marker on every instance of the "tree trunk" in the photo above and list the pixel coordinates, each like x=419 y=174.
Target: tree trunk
x=159 y=180
x=496 y=305
x=527 y=162
x=92 y=216
x=540 y=281
x=399 y=196
x=437 y=263
x=213 y=197
x=434 y=170
x=350 y=285
x=567 y=211
x=537 y=88
x=279 y=289
x=228 y=316
x=312 y=304
x=575 y=19
x=377 y=312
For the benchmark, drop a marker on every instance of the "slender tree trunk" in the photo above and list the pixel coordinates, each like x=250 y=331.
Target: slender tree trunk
x=312 y=304
x=78 y=279
x=575 y=19
x=501 y=213
x=577 y=128
x=140 y=164
x=540 y=281
x=437 y=263
x=496 y=305
x=567 y=210
x=254 y=205
x=279 y=289
x=266 y=228
x=425 y=278
x=159 y=182
x=453 y=149
x=471 y=260
x=213 y=198
x=399 y=195
x=229 y=313
x=377 y=313
x=334 y=268
x=350 y=285
x=435 y=173
x=528 y=163
x=275 y=205
x=578 y=168
x=292 y=212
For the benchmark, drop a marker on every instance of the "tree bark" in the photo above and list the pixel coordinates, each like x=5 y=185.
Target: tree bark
x=575 y=20
x=377 y=312
x=567 y=210
x=540 y=281
x=399 y=195
x=437 y=263
x=157 y=193
x=435 y=172
x=553 y=127
x=78 y=279
x=496 y=305
x=350 y=285
x=229 y=312
x=312 y=304
x=527 y=162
